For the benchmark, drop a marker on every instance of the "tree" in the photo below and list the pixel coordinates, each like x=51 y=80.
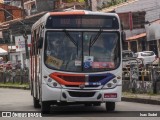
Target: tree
x=88 y=4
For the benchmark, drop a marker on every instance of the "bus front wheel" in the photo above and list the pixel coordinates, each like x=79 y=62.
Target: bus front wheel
x=110 y=106
x=45 y=107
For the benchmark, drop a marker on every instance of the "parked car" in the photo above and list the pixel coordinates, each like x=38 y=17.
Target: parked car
x=129 y=57
x=128 y=54
x=147 y=57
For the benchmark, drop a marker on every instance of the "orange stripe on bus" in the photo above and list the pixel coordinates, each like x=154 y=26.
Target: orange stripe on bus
x=63 y=82
x=68 y=13
x=57 y=74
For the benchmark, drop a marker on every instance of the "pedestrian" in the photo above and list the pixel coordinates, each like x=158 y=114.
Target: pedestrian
x=18 y=65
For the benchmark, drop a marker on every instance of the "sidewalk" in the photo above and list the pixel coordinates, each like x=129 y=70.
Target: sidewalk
x=141 y=98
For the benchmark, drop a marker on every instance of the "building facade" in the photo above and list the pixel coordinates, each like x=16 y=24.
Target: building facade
x=138 y=39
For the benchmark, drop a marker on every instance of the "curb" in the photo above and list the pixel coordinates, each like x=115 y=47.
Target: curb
x=141 y=100
x=23 y=88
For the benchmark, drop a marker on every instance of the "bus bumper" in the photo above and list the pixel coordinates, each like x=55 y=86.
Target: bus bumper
x=68 y=95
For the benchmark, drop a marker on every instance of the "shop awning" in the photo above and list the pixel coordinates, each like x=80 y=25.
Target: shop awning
x=3 y=52
x=136 y=37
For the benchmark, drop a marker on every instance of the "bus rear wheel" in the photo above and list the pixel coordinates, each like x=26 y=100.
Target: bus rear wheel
x=110 y=106
x=45 y=107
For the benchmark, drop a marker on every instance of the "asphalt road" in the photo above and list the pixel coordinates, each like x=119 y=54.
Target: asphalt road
x=21 y=100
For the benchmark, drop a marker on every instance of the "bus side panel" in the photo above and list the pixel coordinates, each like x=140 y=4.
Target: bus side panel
x=34 y=76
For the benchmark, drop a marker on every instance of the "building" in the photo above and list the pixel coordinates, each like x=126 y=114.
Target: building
x=137 y=38
x=12 y=22
x=7 y=1
x=4 y=52
x=34 y=9
x=8 y=12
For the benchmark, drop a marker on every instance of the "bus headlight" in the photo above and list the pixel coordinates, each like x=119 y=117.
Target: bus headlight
x=51 y=83
x=111 y=84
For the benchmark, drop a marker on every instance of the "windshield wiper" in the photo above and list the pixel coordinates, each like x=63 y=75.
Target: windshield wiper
x=70 y=37
x=72 y=40
x=91 y=42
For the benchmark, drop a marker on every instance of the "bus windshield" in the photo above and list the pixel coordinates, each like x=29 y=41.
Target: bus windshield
x=82 y=51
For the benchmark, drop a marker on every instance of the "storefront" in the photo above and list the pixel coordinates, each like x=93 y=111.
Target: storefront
x=153 y=36
x=4 y=52
x=137 y=43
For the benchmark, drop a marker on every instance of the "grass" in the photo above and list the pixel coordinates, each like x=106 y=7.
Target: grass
x=135 y=94
x=14 y=85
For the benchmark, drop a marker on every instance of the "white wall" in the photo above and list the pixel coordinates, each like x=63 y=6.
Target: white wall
x=20 y=43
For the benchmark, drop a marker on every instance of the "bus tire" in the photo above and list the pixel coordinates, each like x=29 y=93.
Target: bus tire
x=36 y=103
x=110 y=106
x=45 y=108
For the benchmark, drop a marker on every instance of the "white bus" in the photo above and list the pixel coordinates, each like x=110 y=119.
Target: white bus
x=76 y=59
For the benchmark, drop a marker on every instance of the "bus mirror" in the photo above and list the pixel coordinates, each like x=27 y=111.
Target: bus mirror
x=40 y=43
x=123 y=36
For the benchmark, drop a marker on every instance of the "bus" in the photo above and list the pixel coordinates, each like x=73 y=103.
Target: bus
x=76 y=59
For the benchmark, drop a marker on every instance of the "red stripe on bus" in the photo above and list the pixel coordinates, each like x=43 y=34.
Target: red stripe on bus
x=68 y=13
x=62 y=81
x=63 y=74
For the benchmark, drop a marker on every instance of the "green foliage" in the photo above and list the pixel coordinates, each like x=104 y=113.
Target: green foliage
x=16 y=85
x=115 y=2
x=74 y=0
x=112 y=3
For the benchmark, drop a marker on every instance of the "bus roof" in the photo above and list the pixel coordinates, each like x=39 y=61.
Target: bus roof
x=72 y=12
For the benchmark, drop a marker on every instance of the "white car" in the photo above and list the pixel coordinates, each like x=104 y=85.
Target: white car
x=127 y=54
x=129 y=57
x=148 y=57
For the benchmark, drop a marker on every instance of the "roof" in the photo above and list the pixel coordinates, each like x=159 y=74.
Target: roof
x=28 y=21
x=136 y=37
x=156 y=21
x=3 y=52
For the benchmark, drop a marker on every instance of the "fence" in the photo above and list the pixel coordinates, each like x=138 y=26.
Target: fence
x=14 y=76
x=148 y=79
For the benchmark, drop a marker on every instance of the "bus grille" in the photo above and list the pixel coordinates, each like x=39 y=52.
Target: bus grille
x=86 y=86
x=82 y=78
x=73 y=78
x=96 y=78
x=81 y=94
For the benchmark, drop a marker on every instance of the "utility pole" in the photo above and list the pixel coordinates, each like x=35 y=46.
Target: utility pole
x=93 y=5
x=22 y=5
x=11 y=41
x=25 y=37
x=26 y=44
x=26 y=48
